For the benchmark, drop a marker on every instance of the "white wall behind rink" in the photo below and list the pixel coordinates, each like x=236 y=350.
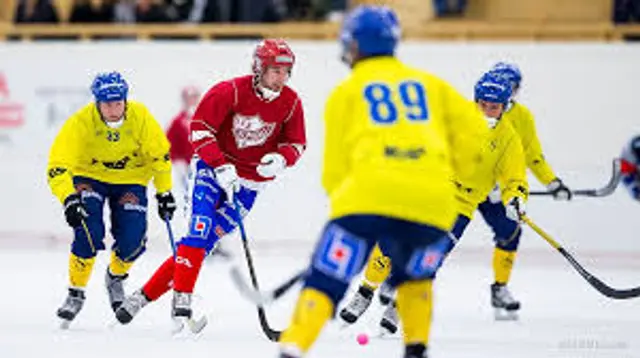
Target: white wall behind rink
x=585 y=97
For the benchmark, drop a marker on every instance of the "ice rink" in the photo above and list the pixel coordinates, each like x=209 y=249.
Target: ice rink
x=561 y=316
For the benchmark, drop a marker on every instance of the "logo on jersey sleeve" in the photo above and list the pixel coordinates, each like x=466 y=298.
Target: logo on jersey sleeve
x=251 y=131
x=340 y=254
x=200 y=226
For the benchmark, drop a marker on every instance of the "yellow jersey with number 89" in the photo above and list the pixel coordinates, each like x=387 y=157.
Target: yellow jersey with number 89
x=394 y=137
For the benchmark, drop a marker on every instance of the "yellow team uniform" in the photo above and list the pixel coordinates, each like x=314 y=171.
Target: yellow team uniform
x=524 y=124
x=394 y=136
x=502 y=162
x=404 y=170
x=131 y=154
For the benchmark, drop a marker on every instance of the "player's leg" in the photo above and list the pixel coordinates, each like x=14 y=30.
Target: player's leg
x=128 y=205
x=390 y=320
x=376 y=271
x=507 y=239
x=341 y=253
x=417 y=252
x=85 y=246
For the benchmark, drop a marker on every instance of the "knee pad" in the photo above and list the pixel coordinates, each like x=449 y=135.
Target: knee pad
x=87 y=242
x=512 y=241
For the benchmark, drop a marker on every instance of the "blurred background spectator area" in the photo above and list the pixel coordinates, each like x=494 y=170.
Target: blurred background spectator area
x=462 y=19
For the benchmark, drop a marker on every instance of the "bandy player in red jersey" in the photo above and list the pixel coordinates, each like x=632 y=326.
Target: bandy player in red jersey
x=178 y=134
x=244 y=132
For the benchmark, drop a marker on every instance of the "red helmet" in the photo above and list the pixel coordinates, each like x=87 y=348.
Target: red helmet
x=272 y=52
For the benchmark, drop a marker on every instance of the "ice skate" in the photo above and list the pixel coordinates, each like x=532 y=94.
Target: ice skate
x=181 y=313
x=71 y=307
x=115 y=289
x=504 y=305
x=131 y=306
x=415 y=351
x=389 y=321
x=386 y=294
x=358 y=305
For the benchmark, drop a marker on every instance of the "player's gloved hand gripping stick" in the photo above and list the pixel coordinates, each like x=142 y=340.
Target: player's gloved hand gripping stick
x=606 y=190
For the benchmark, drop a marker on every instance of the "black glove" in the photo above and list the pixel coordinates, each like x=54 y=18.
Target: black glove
x=166 y=205
x=559 y=190
x=74 y=210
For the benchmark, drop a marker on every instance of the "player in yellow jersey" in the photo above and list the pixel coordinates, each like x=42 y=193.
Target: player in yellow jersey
x=107 y=152
x=507 y=232
x=394 y=136
x=502 y=163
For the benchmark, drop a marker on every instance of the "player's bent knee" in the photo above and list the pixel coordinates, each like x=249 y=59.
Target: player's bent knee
x=510 y=241
x=330 y=286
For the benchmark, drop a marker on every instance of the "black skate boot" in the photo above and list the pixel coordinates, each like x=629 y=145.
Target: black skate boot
x=504 y=305
x=71 y=307
x=115 y=289
x=415 y=351
x=389 y=321
x=131 y=306
x=358 y=305
x=386 y=294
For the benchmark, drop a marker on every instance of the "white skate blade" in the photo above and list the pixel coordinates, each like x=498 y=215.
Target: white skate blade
x=195 y=325
x=501 y=314
x=64 y=324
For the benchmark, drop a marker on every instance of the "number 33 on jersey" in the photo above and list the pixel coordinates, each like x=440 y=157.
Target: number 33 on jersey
x=395 y=133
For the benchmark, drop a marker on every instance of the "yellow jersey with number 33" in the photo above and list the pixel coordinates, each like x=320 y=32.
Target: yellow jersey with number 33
x=502 y=162
x=131 y=154
x=394 y=136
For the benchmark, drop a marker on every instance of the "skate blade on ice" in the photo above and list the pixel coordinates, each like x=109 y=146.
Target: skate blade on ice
x=195 y=325
x=64 y=324
x=501 y=314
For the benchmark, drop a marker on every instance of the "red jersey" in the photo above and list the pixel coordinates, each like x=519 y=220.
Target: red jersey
x=232 y=124
x=178 y=135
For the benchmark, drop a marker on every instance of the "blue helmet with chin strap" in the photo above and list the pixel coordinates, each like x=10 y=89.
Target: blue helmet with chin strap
x=510 y=71
x=109 y=87
x=493 y=88
x=374 y=29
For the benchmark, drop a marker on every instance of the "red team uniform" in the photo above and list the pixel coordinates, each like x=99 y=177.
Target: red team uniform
x=180 y=127
x=243 y=134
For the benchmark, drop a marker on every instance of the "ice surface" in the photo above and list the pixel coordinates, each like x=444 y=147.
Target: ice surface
x=561 y=316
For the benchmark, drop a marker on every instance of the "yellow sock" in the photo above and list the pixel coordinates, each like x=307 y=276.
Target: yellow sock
x=313 y=310
x=80 y=270
x=503 y=264
x=414 y=302
x=117 y=266
x=377 y=270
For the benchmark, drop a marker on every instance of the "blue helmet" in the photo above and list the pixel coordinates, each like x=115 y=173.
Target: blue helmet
x=493 y=88
x=510 y=71
x=375 y=29
x=108 y=87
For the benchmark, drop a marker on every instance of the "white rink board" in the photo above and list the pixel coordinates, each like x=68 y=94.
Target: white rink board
x=584 y=96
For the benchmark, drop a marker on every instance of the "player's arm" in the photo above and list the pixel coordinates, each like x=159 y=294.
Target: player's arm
x=63 y=157
x=534 y=156
x=335 y=165
x=211 y=112
x=293 y=138
x=156 y=148
x=512 y=172
x=466 y=131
